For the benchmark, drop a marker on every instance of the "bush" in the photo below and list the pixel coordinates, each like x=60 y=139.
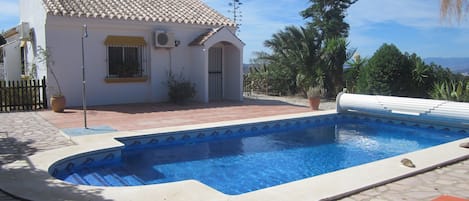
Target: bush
x=180 y=91
x=451 y=90
x=388 y=72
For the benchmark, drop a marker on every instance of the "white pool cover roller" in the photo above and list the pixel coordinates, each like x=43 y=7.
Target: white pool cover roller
x=426 y=110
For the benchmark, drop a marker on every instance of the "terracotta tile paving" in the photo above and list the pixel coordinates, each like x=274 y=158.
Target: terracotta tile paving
x=145 y=116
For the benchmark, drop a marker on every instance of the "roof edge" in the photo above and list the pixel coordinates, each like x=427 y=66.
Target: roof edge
x=200 y=40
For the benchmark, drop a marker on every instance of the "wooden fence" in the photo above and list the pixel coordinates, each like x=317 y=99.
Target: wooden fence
x=23 y=95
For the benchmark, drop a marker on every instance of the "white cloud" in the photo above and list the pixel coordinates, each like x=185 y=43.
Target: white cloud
x=412 y=13
x=369 y=20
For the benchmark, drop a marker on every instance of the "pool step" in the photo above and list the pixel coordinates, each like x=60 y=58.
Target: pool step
x=125 y=176
x=105 y=177
x=113 y=178
x=95 y=179
x=77 y=179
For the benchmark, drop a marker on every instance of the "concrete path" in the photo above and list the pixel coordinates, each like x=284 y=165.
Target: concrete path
x=26 y=133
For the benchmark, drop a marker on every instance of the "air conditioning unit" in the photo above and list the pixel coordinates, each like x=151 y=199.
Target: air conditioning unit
x=24 y=31
x=164 y=39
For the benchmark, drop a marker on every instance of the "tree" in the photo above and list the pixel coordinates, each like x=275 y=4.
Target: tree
x=422 y=77
x=388 y=72
x=453 y=8
x=266 y=76
x=328 y=17
x=313 y=55
x=333 y=55
x=352 y=73
x=297 y=49
x=2 y=40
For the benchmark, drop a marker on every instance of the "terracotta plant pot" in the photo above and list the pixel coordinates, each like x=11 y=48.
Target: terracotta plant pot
x=314 y=103
x=57 y=103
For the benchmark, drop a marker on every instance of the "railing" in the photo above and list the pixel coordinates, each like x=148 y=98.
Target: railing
x=23 y=95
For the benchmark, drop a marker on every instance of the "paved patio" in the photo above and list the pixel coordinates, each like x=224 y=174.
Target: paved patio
x=26 y=133
x=145 y=116
x=23 y=134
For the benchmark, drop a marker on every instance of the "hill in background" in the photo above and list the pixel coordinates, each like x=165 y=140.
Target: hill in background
x=457 y=65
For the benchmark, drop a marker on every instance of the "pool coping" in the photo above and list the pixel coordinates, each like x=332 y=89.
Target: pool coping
x=32 y=178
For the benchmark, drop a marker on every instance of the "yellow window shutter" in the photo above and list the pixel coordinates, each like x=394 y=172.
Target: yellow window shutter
x=125 y=40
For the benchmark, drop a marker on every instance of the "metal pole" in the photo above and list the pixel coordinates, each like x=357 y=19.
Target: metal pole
x=85 y=35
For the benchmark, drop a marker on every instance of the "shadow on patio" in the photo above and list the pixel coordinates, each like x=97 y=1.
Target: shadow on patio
x=11 y=149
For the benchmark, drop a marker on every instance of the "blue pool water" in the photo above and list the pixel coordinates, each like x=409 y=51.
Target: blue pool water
x=238 y=165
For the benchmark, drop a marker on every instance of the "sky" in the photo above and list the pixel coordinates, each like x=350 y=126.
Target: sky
x=414 y=26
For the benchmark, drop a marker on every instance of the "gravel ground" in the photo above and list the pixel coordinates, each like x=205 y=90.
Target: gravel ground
x=294 y=100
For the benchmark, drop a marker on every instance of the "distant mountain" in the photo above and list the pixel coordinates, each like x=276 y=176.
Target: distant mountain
x=457 y=65
x=246 y=68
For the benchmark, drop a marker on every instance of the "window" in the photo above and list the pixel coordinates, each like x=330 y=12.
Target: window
x=125 y=61
x=23 y=67
x=125 y=56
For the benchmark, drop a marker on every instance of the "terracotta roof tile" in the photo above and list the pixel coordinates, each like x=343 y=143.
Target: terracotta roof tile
x=175 y=11
x=201 y=39
x=204 y=37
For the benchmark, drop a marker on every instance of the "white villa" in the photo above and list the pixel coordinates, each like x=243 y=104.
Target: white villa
x=130 y=48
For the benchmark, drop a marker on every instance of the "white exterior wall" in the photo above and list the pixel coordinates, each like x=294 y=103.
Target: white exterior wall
x=232 y=63
x=61 y=36
x=12 y=59
x=184 y=60
x=200 y=72
x=233 y=73
x=34 y=13
x=64 y=43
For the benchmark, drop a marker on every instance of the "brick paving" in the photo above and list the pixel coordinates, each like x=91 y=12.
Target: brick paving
x=145 y=116
x=26 y=133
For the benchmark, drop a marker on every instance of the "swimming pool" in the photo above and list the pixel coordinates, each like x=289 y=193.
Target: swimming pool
x=243 y=158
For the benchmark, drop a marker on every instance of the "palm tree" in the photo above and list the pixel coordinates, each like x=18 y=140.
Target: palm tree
x=297 y=49
x=333 y=56
x=453 y=8
x=351 y=74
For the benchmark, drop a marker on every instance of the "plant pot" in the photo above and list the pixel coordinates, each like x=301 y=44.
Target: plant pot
x=57 y=103
x=314 y=103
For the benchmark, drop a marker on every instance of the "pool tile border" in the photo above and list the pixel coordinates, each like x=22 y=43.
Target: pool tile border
x=199 y=135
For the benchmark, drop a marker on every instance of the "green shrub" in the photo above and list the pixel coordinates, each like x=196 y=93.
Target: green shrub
x=451 y=90
x=388 y=72
x=180 y=90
